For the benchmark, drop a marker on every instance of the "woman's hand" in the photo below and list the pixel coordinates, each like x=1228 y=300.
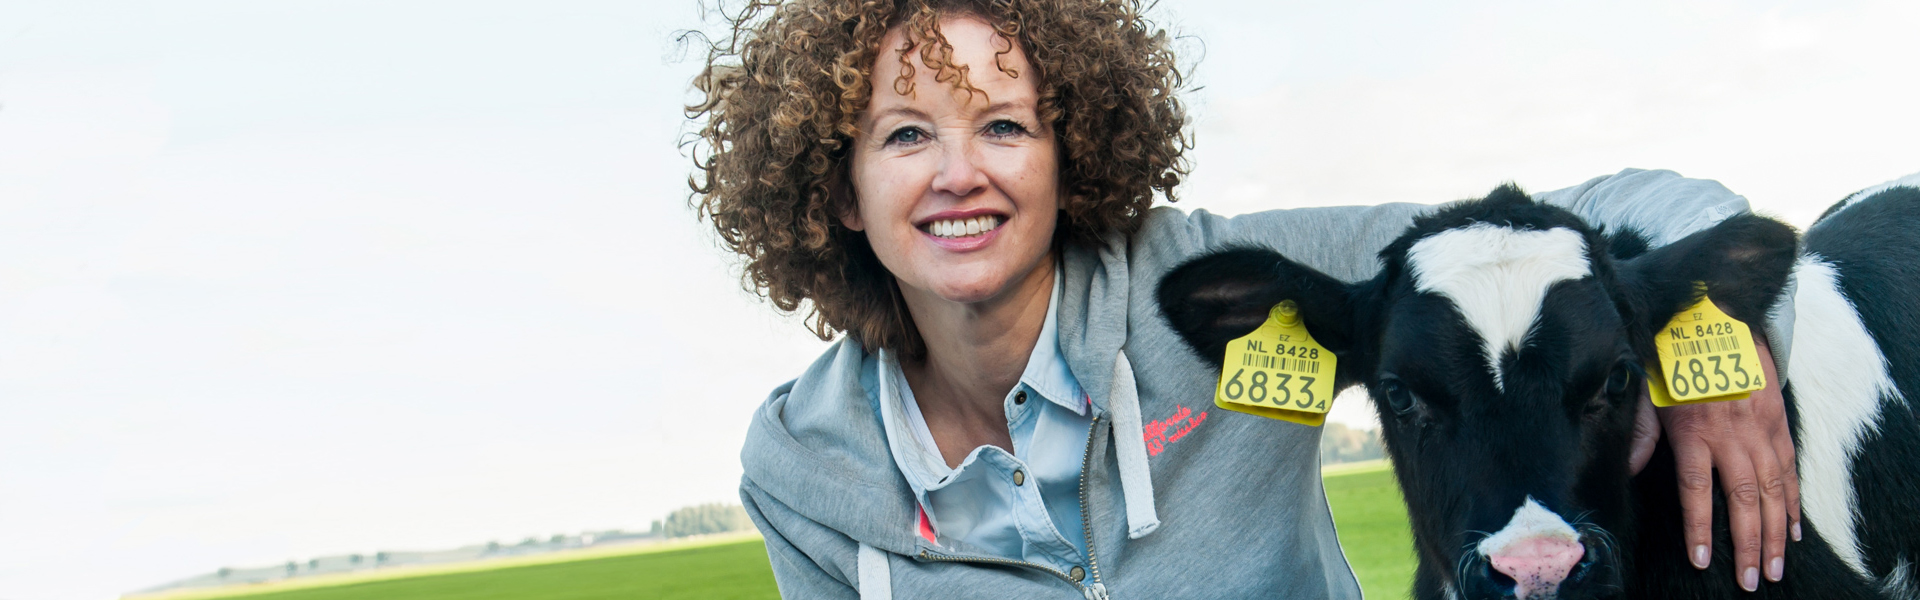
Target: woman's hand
x=1747 y=441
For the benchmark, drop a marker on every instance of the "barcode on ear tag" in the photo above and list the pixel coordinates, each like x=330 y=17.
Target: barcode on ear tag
x=1705 y=356
x=1278 y=371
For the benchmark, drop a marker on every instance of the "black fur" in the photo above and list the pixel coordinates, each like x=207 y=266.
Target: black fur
x=1227 y=295
x=1467 y=452
x=1627 y=244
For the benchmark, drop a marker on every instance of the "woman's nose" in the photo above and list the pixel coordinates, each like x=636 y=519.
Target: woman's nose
x=960 y=172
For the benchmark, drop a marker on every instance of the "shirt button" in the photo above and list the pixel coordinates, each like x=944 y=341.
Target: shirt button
x=1019 y=478
x=1020 y=397
x=1077 y=574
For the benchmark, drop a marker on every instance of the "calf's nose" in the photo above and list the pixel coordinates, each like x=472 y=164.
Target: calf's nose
x=1537 y=565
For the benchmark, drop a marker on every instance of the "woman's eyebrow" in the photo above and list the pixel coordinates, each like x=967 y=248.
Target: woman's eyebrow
x=901 y=111
x=911 y=113
x=1008 y=106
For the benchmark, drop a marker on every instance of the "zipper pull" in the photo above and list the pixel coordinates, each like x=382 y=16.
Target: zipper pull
x=1097 y=591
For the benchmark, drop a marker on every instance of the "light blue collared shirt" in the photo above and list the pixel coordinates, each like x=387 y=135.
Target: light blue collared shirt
x=977 y=503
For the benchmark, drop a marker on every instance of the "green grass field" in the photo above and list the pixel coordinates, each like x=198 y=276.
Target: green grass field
x=1366 y=507
x=1373 y=530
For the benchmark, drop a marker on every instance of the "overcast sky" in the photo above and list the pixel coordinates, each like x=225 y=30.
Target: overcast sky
x=287 y=279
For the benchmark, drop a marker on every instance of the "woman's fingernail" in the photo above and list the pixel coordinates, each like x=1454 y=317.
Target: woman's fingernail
x=1700 y=556
x=1776 y=568
x=1796 y=531
x=1750 y=580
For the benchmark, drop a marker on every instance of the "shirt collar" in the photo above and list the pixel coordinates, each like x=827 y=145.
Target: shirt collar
x=1047 y=371
x=907 y=437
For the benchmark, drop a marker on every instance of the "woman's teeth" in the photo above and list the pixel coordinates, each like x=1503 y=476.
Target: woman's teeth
x=957 y=228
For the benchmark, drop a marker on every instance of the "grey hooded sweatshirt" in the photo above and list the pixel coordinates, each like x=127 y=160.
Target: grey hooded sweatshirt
x=1180 y=499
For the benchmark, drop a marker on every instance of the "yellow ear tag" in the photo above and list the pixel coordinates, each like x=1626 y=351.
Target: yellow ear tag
x=1705 y=356
x=1278 y=371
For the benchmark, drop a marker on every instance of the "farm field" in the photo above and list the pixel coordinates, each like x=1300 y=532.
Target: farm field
x=734 y=568
x=1373 y=528
x=1366 y=507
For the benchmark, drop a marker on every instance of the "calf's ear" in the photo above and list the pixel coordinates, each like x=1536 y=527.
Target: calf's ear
x=1216 y=298
x=1744 y=261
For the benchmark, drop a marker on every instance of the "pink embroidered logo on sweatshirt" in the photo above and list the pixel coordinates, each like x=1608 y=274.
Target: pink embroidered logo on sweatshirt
x=1170 y=430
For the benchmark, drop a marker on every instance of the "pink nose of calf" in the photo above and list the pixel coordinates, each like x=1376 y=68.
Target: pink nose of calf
x=1538 y=565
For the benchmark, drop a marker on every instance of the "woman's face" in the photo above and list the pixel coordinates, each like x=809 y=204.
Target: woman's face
x=958 y=194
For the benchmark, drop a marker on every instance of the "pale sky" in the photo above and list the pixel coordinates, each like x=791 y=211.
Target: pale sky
x=287 y=279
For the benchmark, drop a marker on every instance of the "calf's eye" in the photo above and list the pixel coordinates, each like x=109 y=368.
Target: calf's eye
x=1621 y=377
x=1399 y=398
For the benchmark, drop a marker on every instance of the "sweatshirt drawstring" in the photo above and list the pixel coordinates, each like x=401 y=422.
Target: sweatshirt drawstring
x=875 y=576
x=1130 y=446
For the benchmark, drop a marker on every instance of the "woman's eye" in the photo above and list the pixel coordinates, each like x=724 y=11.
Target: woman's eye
x=906 y=135
x=1005 y=128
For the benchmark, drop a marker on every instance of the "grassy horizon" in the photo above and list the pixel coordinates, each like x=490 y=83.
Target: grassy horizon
x=728 y=571
x=1365 y=500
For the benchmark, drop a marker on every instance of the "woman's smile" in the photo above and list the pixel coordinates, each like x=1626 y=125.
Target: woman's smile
x=962 y=230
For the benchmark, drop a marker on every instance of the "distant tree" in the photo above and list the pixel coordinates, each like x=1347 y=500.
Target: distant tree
x=493 y=547
x=313 y=563
x=1340 y=443
x=381 y=558
x=292 y=567
x=654 y=529
x=354 y=560
x=557 y=539
x=224 y=572
x=706 y=518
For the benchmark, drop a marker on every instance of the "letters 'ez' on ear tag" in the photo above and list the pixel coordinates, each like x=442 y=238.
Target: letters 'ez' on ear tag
x=1705 y=356
x=1278 y=371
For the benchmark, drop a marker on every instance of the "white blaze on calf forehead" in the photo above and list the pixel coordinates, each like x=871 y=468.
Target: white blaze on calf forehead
x=1530 y=521
x=1497 y=277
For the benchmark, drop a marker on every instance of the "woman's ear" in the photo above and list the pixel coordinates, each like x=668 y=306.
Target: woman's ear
x=841 y=200
x=850 y=217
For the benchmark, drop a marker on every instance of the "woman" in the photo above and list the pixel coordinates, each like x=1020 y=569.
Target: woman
x=963 y=190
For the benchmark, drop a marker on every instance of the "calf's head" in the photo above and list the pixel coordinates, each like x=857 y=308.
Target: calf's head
x=1501 y=343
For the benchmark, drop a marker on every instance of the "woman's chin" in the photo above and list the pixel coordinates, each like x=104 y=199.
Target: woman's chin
x=974 y=290
x=970 y=292
x=976 y=279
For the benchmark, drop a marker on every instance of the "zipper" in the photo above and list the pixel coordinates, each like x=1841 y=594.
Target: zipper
x=1094 y=591
x=1086 y=523
x=931 y=557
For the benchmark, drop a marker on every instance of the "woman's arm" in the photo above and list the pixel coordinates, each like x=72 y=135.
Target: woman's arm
x=1341 y=241
x=1661 y=205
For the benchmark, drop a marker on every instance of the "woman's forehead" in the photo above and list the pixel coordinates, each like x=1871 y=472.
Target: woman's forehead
x=975 y=46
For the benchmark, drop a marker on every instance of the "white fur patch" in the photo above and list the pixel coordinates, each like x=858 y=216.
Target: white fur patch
x=1839 y=380
x=1530 y=521
x=1912 y=181
x=1497 y=277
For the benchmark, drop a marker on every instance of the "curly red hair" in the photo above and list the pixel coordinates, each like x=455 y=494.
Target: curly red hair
x=782 y=94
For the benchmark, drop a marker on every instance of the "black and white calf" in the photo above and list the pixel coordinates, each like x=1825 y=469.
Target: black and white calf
x=1502 y=342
